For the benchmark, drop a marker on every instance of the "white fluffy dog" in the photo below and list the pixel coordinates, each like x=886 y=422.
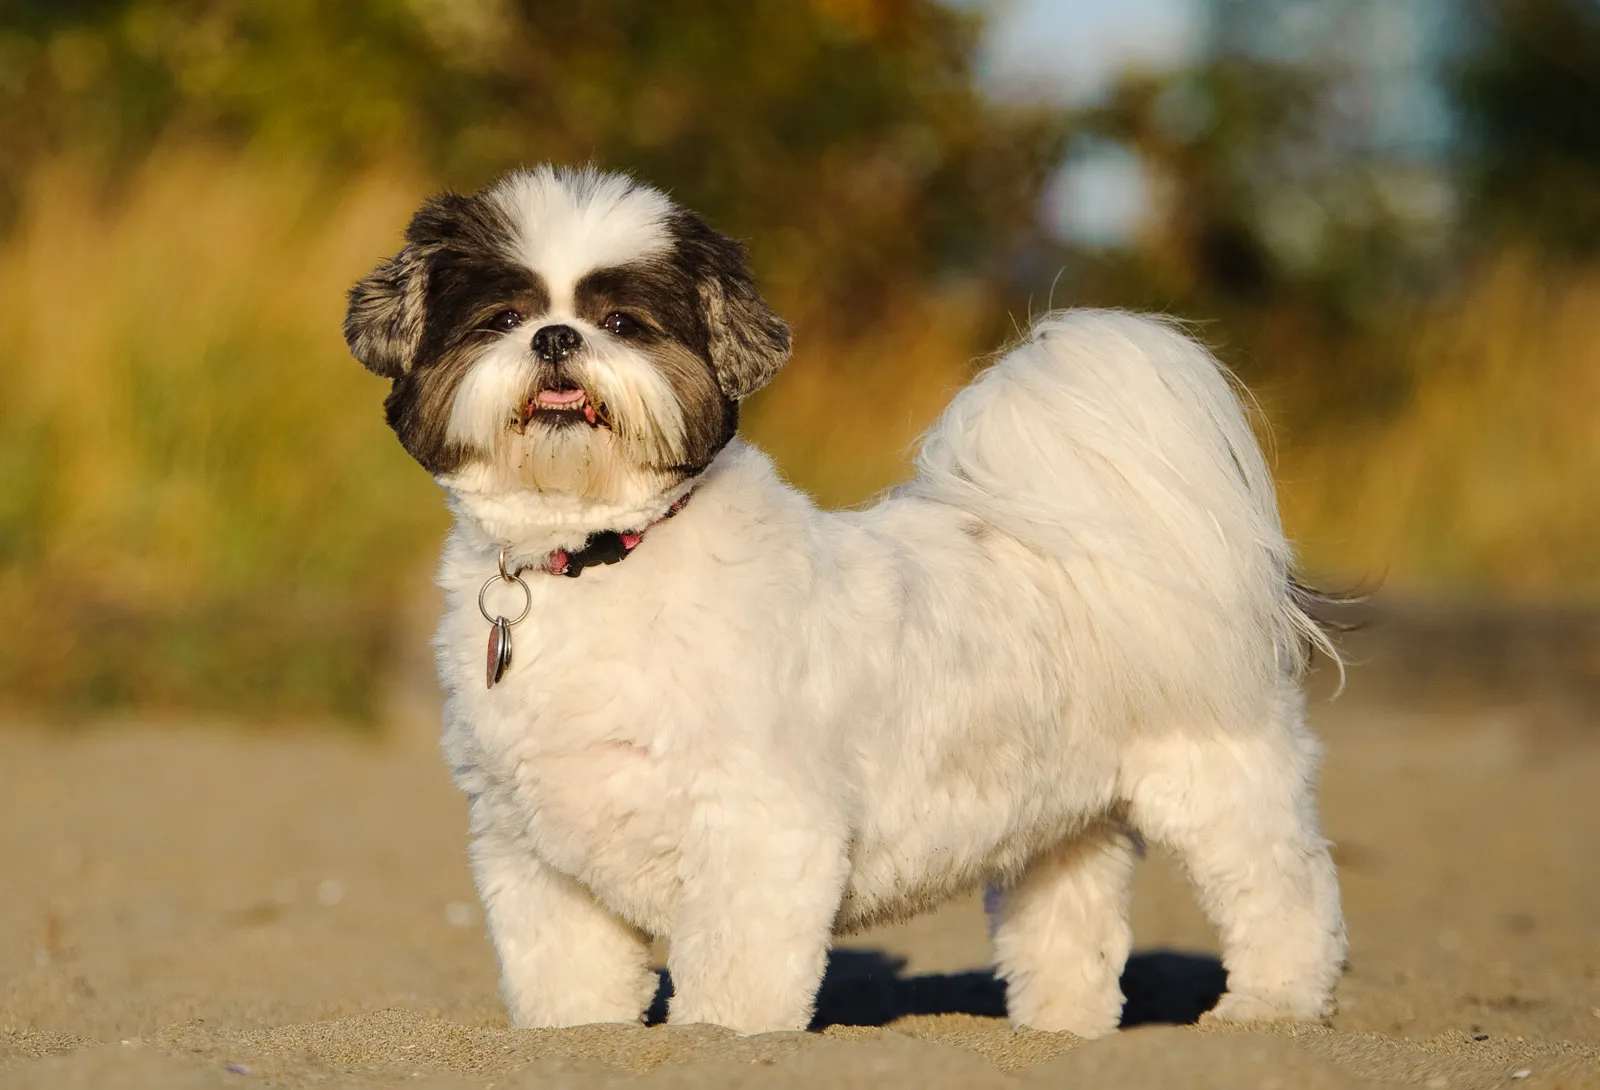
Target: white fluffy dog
x=750 y=725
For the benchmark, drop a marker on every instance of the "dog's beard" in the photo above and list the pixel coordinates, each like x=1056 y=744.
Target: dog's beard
x=616 y=444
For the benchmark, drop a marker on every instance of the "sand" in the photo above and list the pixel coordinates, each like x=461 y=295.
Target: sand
x=211 y=906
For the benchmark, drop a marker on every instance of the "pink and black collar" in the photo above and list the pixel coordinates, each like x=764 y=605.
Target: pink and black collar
x=601 y=547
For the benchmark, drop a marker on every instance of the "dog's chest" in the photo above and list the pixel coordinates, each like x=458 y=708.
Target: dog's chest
x=567 y=747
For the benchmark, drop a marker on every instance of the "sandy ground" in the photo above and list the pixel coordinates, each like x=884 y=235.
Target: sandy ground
x=215 y=907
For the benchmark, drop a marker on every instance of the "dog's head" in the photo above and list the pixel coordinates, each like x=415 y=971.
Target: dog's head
x=565 y=331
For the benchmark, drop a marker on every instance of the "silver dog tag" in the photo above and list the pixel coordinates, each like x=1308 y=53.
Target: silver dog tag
x=499 y=656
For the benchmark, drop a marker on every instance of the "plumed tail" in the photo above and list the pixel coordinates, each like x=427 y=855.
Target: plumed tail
x=1117 y=446
x=1315 y=617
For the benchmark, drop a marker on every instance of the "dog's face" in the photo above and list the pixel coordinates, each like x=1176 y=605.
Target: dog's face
x=565 y=331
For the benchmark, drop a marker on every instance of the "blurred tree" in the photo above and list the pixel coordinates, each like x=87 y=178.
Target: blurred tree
x=223 y=168
x=1286 y=205
x=846 y=134
x=1529 y=93
x=1291 y=253
x=194 y=481
x=1279 y=176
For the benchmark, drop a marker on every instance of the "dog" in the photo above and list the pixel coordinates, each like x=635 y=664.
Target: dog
x=685 y=703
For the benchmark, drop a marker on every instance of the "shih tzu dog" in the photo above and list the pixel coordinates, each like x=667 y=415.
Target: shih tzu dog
x=684 y=702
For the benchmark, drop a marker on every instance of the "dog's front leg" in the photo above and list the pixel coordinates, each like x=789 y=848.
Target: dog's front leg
x=762 y=880
x=565 y=959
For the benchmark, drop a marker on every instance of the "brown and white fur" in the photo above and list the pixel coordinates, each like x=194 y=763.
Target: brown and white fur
x=771 y=724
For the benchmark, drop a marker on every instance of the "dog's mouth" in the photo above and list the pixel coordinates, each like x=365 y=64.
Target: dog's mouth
x=564 y=405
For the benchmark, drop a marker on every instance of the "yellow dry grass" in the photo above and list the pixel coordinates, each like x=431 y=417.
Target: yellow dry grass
x=200 y=506
x=200 y=502
x=1486 y=478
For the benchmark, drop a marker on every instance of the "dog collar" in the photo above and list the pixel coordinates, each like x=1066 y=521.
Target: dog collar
x=602 y=547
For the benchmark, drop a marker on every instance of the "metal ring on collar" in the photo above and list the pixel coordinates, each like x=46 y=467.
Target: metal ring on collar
x=527 y=599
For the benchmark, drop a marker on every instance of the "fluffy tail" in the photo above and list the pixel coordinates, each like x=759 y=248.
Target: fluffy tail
x=1116 y=445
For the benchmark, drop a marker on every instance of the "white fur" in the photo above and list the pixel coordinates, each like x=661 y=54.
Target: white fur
x=546 y=464
x=772 y=723
x=570 y=222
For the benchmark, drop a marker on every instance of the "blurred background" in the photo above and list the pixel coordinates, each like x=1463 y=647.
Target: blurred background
x=1383 y=214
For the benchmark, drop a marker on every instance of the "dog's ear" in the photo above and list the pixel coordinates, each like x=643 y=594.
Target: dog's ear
x=383 y=324
x=747 y=342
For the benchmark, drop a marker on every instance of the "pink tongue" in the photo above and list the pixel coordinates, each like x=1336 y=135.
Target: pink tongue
x=560 y=397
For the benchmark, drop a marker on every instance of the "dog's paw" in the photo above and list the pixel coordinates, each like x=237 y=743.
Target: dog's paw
x=1237 y=1007
x=747 y=1020
x=1087 y=1020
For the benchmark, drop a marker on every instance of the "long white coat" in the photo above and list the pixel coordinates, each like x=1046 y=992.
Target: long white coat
x=771 y=723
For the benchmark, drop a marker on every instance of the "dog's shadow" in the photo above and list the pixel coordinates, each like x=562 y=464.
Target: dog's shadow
x=870 y=988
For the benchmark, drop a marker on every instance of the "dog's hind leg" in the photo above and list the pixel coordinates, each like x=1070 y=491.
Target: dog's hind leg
x=1061 y=934
x=1241 y=813
x=565 y=959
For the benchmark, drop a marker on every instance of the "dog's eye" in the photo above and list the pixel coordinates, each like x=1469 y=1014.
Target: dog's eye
x=619 y=324
x=505 y=321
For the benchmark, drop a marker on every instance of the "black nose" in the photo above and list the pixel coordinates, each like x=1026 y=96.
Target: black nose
x=555 y=343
